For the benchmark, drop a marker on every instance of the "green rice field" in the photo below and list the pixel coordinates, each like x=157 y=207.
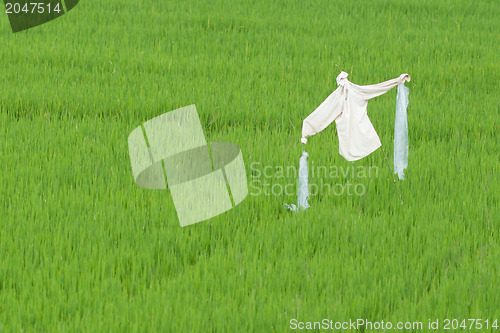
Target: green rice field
x=84 y=249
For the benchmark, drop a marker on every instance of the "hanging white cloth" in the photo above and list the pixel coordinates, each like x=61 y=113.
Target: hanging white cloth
x=303 y=189
x=347 y=106
x=401 y=132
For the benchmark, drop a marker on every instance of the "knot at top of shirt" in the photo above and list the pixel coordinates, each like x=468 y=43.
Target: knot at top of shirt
x=342 y=79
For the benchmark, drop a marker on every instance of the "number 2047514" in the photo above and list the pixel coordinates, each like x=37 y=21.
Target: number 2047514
x=31 y=8
x=471 y=324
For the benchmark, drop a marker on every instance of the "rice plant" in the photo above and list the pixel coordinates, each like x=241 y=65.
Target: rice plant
x=84 y=249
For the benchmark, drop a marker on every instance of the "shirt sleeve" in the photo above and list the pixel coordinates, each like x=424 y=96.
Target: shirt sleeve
x=371 y=91
x=323 y=116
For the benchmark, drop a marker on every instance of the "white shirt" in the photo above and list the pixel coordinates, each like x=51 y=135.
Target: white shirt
x=347 y=106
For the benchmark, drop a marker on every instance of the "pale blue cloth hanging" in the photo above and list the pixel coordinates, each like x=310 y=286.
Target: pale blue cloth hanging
x=303 y=190
x=401 y=132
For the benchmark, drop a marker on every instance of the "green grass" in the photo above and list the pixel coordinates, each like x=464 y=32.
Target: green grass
x=83 y=248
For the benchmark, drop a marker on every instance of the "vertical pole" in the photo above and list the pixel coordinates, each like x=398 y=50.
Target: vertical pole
x=393 y=179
